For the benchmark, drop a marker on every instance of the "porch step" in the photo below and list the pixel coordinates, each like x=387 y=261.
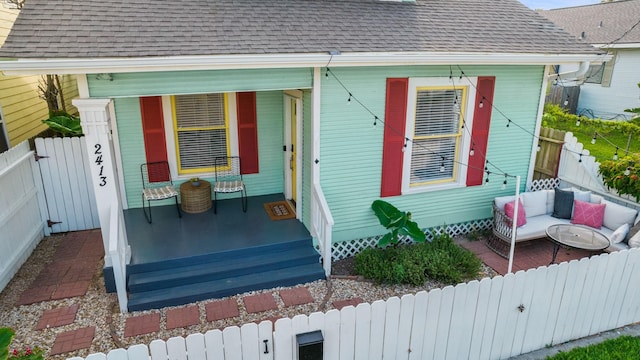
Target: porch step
x=184 y=294
x=185 y=280
x=221 y=268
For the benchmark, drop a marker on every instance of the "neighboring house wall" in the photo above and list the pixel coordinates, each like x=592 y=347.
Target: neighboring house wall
x=609 y=102
x=351 y=149
x=623 y=92
x=20 y=104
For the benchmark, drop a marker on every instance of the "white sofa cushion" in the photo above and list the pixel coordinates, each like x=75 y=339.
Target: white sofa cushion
x=619 y=234
x=634 y=242
x=535 y=203
x=536 y=227
x=502 y=200
x=615 y=215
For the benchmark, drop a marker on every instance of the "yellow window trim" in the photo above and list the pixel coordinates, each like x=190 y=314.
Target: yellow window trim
x=458 y=135
x=177 y=144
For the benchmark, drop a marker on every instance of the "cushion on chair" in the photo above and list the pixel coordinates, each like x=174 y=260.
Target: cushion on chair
x=509 y=211
x=228 y=186
x=589 y=214
x=160 y=193
x=562 y=204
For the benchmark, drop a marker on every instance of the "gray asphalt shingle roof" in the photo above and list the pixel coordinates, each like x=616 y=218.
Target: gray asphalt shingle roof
x=601 y=23
x=141 y=28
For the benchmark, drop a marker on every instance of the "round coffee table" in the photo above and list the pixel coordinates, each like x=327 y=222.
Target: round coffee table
x=577 y=237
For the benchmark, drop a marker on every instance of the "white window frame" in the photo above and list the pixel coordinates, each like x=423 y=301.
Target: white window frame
x=460 y=168
x=170 y=136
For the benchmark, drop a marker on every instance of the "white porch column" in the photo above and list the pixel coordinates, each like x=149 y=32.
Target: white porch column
x=94 y=118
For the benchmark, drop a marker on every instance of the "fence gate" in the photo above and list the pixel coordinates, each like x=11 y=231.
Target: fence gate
x=64 y=166
x=548 y=158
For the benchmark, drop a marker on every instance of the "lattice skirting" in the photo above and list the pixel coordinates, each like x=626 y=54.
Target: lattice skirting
x=544 y=184
x=349 y=248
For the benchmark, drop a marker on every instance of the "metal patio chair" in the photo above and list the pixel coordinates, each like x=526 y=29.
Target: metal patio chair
x=229 y=179
x=157 y=185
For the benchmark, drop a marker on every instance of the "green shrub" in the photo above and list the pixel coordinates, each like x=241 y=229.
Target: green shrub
x=440 y=260
x=621 y=348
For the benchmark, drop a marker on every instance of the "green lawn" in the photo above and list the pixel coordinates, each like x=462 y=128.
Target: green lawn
x=621 y=348
x=608 y=136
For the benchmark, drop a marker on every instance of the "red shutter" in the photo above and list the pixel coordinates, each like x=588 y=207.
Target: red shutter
x=480 y=131
x=247 y=132
x=395 y=115
x=153 y=130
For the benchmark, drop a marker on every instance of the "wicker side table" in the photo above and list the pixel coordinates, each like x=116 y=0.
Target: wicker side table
x=195 y=199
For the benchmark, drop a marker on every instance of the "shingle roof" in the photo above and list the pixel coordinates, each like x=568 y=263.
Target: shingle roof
x=601 y=23
x=140 y=28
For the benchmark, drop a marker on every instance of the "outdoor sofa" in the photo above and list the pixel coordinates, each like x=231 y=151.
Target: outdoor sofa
x=543 y=208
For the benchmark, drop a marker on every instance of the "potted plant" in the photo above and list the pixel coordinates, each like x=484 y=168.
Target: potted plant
x=195 y=181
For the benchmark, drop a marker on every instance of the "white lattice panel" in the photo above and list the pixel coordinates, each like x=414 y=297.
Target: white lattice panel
x=544 y=184
x=346 y=249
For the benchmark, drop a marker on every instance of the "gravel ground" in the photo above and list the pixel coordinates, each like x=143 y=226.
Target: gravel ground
x=99 y=309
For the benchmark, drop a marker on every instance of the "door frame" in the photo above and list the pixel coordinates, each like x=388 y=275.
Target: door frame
x=293 y=96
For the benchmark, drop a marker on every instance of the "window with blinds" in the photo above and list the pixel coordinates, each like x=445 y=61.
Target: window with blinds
x=202 y=131
x=437 y=134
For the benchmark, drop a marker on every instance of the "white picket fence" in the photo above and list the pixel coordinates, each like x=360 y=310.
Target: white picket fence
x=22 y=221
x=490 y=319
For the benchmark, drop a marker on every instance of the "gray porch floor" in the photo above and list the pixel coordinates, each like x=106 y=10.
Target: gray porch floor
x=170 y=237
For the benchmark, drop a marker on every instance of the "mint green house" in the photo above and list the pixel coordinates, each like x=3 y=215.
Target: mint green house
x=329 y=104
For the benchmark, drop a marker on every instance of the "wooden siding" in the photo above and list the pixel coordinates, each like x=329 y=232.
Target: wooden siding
x=270 y=140
x=199 y=82
x=19 y=100
x=351 y=148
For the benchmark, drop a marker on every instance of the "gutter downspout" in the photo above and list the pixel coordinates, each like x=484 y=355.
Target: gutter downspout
x=577 y=75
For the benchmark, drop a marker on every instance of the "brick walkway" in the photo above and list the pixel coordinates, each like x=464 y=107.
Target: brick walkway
x=527 y=255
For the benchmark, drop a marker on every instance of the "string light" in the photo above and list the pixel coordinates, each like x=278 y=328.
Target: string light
x=442 y=167
x=580 y=160
x=578 y=122
x=566 y=101
x=615 y=155
x=593 y=141
x=504 y=183
x=627 y=172
x=508 y=122
x=404 y=147
x=375 y=121
x=472 y=151
x=481 y=104
x=487 y=179
x=349 y=99
x=539 y=147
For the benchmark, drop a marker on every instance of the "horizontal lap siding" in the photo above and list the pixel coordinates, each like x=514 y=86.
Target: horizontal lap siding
x=198 y=82
x=351 y=149
x=270 y=140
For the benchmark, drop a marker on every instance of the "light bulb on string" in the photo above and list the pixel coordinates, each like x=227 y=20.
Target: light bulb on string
x=504 y=183
x=578 y=122
x=580 y=159
x=539 y=147
x=627 y=172
x=486 y=181
x=326 y=73
x=593 y=141
x=375 y=121
x=442 y=167
x=404 y=147
x=472 y=151
x=615 y=155
x=481 y=104
x=566 y=101
x=349 y=99
x=508 y=122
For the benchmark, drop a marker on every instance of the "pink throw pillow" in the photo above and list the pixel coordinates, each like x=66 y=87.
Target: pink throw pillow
x=589 y=214
x=508 y=210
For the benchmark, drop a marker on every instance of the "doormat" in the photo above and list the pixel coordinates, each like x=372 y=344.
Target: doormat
x=279 y=210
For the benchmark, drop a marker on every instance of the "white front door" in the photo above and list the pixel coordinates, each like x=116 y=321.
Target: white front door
x=292 y=147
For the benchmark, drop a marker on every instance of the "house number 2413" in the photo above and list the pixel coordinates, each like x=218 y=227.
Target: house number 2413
x=98 y=162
